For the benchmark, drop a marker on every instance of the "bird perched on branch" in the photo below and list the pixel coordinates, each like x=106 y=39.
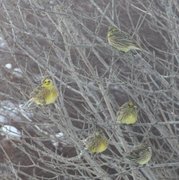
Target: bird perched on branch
x=141 y=154
x=121 y=40
x=97 y=142
x=127 y=113
x=46 y=93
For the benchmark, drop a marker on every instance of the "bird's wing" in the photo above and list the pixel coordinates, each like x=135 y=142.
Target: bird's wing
x=40 y=93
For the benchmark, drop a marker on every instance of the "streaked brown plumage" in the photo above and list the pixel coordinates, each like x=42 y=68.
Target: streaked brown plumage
x=141 y=154
x=121 y=40
x=127 y=113
x=97 y=142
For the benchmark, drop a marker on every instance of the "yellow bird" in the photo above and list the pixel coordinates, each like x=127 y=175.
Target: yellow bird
x=97 y=142
x=141 y=155
x=46 y=93
x=127 y=113
x=121 y=40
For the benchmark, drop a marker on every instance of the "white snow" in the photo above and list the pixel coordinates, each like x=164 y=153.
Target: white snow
x=8 y=66
x=59 y=135
x=8 y=110
x=55 y=141
x=27 y=114
x=2 y=42
x=18 y=72
x=2 y=119
x=10 y=131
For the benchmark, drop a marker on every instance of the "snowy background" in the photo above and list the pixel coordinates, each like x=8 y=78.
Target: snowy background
x=66 y=39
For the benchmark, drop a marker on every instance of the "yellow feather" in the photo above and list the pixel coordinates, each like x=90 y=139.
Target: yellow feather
x=121 y=40
x=96 y=143
x=127 y=113
x=46 y=93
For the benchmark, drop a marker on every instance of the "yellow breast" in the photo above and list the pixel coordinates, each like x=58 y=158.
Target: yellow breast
x=51 y=96
x=129 y=119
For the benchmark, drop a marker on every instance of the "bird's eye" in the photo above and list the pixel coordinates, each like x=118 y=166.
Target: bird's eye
x=130 y=104
x=47 y=82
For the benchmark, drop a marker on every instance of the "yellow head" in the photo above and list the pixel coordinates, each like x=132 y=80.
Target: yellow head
x=47 y=83
x=97 y=142
x=111 y=30
x=131 y=104
x=127 y=114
